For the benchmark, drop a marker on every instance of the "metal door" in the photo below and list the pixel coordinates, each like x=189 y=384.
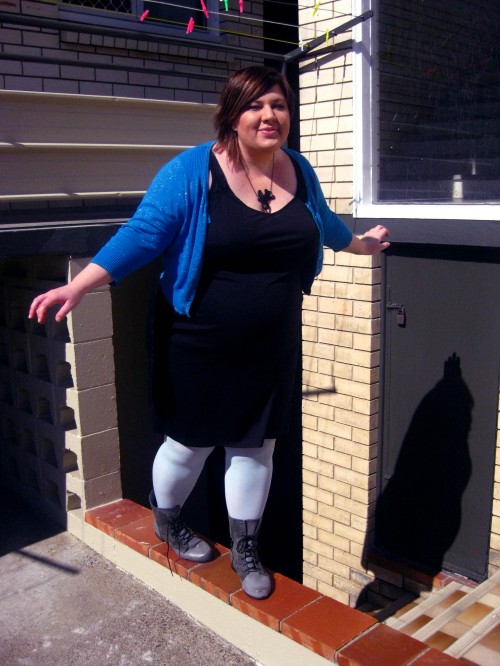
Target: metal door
x=440 y=407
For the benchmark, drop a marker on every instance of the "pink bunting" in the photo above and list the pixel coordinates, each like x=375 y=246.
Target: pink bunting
x=190 y=26
x=241 y=6
x=144 y=14
x=204 y=7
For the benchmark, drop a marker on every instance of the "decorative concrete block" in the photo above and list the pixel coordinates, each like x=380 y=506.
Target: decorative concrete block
x=95 y=492
x=101 y=490
x=92 y=319
x=94 y=409
x=98 y=454
x=92 y=363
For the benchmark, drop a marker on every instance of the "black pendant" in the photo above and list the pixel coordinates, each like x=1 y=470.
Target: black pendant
x=264 y=198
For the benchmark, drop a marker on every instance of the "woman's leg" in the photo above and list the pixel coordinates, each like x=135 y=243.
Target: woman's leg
x=248 y=479
x=176 y=469
x=247 y=483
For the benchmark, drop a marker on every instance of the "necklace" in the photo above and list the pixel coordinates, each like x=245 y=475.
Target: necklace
x=263 y=197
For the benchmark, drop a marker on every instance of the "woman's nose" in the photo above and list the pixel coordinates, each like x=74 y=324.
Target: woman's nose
x=268 y=112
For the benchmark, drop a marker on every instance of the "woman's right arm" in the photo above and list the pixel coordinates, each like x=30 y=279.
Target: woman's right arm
x=151 y=229
x=70 y=295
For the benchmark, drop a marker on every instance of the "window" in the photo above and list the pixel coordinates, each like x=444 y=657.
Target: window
x=433 y=132
x=161 y=14
x=120 y=6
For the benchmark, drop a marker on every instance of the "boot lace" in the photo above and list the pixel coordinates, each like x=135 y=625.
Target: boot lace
x=247 y=549
x=181 y=532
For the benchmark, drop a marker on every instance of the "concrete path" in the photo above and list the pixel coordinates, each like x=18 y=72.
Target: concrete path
x=61 y=604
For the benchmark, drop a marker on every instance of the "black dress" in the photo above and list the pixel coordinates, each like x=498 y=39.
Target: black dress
x=230 y=365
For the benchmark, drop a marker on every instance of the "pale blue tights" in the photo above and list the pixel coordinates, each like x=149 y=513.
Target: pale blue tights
x=247 y=478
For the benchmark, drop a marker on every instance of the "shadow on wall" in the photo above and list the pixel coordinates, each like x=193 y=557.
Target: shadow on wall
x=418 y=515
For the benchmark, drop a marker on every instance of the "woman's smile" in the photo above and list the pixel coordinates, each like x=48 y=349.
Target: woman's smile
x=269 y=131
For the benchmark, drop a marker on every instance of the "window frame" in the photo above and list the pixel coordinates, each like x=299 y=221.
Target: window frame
x=88 y=15
x=365 y=126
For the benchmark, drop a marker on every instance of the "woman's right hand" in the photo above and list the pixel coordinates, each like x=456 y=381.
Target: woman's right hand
x=68 y=296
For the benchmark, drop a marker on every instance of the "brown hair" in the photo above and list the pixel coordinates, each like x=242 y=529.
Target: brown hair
x=242 y=88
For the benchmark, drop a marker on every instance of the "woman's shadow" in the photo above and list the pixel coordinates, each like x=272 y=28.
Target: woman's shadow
x=418 y=514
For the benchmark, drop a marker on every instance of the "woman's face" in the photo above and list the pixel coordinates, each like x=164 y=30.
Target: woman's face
x=264 y=124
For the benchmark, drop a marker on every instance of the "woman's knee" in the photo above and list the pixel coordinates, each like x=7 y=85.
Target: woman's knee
x=262 y=455
x=179 y=454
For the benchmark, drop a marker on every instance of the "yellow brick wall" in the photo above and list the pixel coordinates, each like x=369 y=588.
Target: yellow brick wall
x=341 y=346
x=341 y=339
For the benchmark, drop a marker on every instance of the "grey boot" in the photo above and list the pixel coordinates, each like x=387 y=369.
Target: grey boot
x=170 y=527
x=255 y=580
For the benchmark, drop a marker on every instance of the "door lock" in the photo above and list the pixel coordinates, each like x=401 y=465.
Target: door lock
x=400 y=313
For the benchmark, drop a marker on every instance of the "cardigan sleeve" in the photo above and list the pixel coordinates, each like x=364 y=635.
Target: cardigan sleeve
x=336 y=233
x=153 y=226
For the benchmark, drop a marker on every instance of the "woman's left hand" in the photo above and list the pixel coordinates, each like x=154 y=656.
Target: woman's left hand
x=371 y=242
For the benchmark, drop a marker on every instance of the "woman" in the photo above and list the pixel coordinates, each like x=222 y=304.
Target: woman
x=240 y=224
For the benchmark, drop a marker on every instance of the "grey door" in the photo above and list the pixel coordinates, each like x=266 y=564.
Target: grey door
x=440 y=407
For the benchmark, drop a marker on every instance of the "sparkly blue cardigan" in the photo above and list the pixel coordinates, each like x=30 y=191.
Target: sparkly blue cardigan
x=172 y=219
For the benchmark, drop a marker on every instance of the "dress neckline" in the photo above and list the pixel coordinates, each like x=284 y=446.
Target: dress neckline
x=219 y=177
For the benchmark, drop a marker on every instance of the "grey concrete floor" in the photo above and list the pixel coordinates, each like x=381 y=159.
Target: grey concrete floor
x=62 y=604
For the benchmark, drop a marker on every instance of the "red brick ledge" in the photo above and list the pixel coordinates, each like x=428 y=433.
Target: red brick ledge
x=341 y=634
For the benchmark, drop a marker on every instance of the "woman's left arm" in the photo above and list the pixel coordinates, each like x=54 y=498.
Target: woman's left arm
x=335 y=233
x=371 y=242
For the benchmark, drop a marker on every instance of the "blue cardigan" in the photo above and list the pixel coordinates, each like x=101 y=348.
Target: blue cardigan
x=172 y=219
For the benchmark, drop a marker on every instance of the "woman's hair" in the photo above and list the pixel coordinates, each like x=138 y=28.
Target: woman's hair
x=242 y=88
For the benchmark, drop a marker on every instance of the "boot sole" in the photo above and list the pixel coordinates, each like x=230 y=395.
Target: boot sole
x=199 y=560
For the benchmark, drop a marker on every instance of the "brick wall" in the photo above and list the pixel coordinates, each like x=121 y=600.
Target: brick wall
x=340 y=420
x=67 y=61
x=341 y=347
